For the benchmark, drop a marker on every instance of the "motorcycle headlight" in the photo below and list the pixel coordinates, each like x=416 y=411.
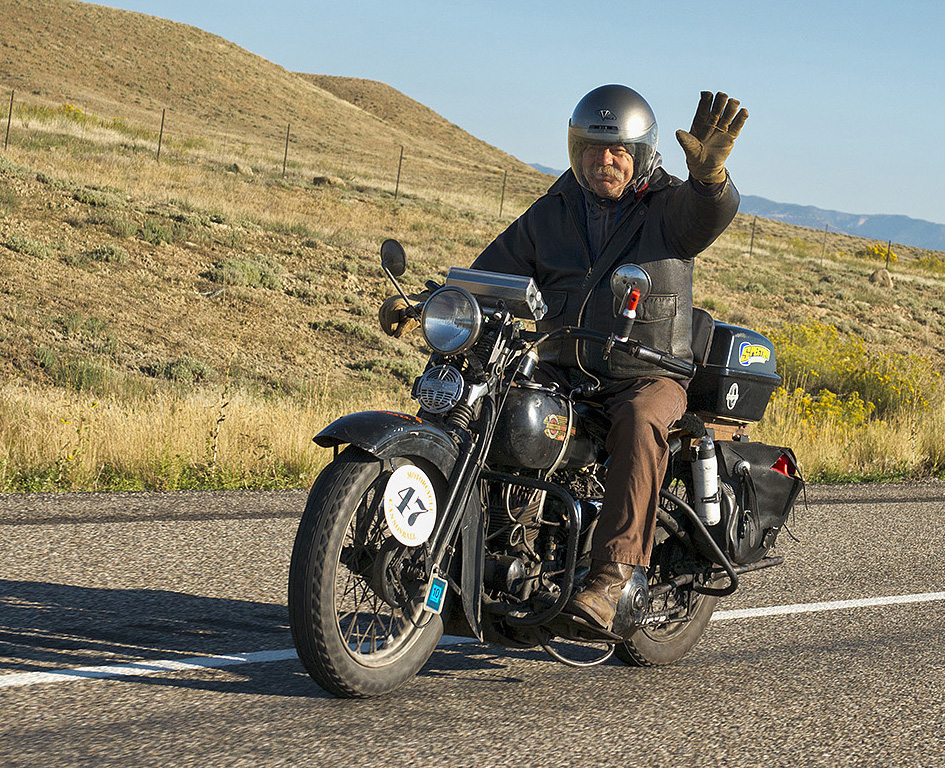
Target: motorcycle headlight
x=451 y=320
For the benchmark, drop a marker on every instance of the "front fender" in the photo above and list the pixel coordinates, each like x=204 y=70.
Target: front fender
x=386 y=434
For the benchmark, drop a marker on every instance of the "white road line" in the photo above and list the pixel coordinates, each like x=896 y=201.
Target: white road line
x=138 y=668
x=836 y=605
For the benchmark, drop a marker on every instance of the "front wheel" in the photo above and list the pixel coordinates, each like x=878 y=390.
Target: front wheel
x=355 y=592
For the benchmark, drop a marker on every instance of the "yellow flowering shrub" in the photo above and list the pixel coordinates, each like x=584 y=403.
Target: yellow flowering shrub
x=877 y=252
x=851 y=410
x=931 y=263
x=833 y=368
x=72 y=112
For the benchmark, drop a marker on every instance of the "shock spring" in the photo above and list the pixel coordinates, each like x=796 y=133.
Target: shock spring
x=460 y=416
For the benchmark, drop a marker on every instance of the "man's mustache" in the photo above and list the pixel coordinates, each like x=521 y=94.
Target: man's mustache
x=608 y=171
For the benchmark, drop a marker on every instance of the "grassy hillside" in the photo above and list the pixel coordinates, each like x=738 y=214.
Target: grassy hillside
x=124 y=65
x=192 y=322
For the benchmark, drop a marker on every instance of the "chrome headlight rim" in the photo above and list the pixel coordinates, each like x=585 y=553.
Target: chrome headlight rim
x=437 y=310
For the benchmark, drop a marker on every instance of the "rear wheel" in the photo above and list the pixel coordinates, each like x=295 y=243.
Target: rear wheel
x=355 y=592
x=688 y=612
x=661 y=644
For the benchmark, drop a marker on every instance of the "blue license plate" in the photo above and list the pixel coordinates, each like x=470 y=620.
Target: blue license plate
x=436 y=592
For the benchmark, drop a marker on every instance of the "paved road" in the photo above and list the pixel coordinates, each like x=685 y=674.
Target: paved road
x=90 y=581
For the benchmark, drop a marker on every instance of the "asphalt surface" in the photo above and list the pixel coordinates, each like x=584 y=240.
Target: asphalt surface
x=94 y=580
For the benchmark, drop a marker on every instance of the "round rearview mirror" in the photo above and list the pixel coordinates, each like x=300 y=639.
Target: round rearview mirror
x=628 y=277
x=393 y=258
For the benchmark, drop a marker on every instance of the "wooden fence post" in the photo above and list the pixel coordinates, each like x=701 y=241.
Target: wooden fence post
x=824 y=249
x=751 y=245
x=285 y=159
x=505 y=175
x=399 y=166
x=161 y=135
x=6 y=141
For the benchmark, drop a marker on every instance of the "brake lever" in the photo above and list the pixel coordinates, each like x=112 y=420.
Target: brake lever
x=411 y=308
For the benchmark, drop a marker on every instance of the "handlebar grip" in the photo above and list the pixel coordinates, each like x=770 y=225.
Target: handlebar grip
x=675 y=365
x=667 y=362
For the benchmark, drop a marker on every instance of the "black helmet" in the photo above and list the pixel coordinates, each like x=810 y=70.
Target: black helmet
x=614 y=115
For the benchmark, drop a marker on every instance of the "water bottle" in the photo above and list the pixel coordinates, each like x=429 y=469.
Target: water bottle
x=705 y=479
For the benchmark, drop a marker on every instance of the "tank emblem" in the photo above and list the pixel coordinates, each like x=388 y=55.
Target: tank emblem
x=410 y=505
x=753 y=353
x=556 y=427
x=731 y=398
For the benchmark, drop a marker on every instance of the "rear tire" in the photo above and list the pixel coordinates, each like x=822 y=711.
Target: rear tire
x=664 y=644
x=358 y=630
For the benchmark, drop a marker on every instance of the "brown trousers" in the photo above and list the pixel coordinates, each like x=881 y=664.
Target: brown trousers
x=641 y=412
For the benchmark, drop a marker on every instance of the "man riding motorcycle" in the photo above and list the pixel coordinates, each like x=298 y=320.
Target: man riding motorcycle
x=616 y=205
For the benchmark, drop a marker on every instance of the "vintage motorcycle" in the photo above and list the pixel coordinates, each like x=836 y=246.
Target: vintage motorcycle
x=474 y=517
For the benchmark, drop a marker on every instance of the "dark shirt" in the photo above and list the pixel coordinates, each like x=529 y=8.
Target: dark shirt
x=603 y=217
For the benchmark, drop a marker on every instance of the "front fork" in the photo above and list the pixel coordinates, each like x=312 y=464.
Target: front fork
x=460 y=518
x=465 y=474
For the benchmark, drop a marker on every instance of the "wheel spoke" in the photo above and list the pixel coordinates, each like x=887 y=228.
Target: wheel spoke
x=347 y=635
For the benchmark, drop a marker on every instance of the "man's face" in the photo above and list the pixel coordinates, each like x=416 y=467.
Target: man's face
x=608 y=170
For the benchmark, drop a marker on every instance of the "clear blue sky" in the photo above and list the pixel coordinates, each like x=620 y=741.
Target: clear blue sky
x=847 y=99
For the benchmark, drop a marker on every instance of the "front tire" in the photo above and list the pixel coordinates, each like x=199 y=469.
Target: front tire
x=355 y=593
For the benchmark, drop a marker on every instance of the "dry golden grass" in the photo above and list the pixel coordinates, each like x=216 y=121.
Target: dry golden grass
x=118 y=64
x=62 y=440
x=907 y=445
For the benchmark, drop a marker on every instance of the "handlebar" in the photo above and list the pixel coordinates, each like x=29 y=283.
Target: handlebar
x=642 y=352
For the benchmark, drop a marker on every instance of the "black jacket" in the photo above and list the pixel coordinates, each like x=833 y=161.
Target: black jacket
x=661 y=232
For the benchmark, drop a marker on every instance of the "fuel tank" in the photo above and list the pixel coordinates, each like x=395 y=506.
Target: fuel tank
x=535 y=427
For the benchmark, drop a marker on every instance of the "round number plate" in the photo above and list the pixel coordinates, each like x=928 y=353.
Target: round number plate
x=410 y=505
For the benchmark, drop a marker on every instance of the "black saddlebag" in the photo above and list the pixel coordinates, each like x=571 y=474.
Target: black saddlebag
x=760 y=484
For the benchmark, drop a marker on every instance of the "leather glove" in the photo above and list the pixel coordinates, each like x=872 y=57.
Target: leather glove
x=710 y=140
x=393 y=319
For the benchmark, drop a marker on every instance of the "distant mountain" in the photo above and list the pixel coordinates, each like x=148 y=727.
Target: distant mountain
x=545 y=169
x=898 y=229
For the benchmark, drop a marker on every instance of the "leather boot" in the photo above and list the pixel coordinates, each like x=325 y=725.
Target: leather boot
x=598 y=602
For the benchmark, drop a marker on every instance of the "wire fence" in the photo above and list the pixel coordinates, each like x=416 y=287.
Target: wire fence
x=829 y=243
x=394 y=168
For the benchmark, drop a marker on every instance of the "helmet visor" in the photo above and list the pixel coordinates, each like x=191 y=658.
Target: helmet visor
x=584 y=145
